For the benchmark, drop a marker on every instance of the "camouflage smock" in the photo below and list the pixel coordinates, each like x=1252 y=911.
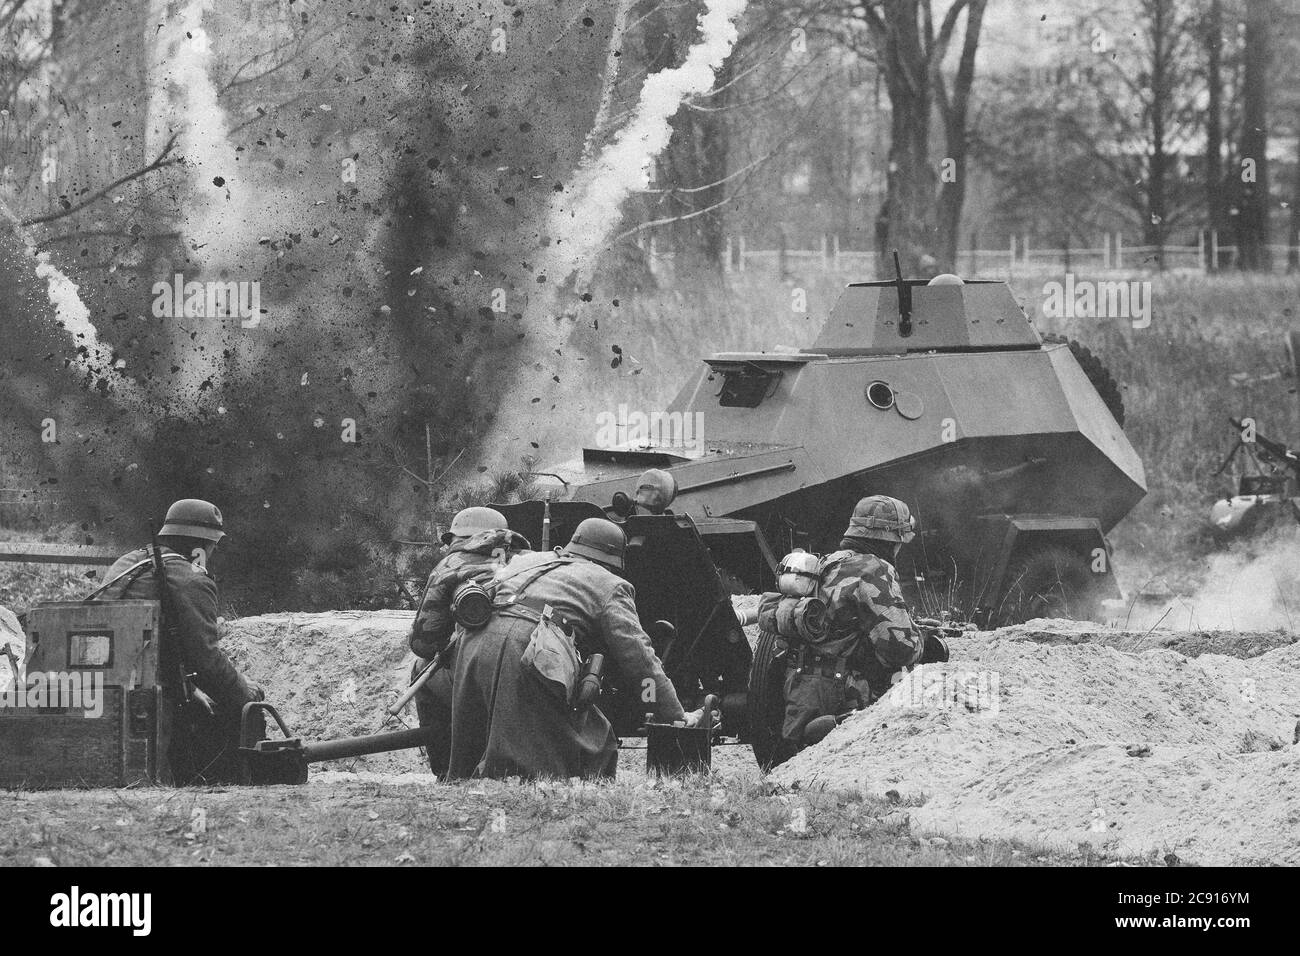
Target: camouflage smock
x=870 y=637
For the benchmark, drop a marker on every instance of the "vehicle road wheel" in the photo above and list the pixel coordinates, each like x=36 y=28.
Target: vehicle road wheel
x=766 y=704
x=1049 y=581
x=1097 y=373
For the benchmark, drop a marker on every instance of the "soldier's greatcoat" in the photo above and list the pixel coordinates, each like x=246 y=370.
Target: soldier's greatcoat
x=478 y=557
x=505 y=721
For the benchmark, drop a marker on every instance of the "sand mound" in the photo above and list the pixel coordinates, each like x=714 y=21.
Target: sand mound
x=1052 y=734
x=1188 y=643
x=331 y=675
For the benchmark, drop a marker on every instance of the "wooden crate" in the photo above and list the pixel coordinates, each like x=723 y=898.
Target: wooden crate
x=126 y=744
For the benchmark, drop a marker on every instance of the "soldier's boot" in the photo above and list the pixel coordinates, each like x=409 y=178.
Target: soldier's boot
x=817 y=729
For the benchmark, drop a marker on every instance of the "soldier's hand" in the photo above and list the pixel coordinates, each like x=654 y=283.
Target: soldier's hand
x=695 y=717
x=204 y=701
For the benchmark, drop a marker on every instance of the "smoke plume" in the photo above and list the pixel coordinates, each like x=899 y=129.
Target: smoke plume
x=1254 y=587
x=585 y=214
x=578 y=226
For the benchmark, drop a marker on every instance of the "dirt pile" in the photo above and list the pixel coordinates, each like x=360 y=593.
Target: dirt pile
x=1067 y=734
x=1190 y=643
x=331 y=675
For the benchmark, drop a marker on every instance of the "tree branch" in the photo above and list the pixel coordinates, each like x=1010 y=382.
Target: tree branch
x=159 y=162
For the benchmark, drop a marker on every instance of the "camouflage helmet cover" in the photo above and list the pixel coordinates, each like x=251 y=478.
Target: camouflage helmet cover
x=470 y=521
x=881 y=518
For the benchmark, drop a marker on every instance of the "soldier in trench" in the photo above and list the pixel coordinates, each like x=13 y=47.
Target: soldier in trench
x=478 y=544
x=513 y=707
x=205 y=736
x=870 y=635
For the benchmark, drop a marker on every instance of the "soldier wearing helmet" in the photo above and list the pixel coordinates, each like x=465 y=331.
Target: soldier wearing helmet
x=655 y=491
x=478 y=543
x=870 y=635
x=508 y=719
x=205 y=740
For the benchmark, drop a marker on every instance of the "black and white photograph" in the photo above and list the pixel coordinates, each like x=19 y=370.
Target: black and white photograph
x=656 y=433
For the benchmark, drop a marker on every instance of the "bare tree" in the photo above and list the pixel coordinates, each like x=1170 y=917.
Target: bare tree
x=1253 y=198
x=1146 y=93
x=954 y=110
x=1215 y=205
x=909 y=46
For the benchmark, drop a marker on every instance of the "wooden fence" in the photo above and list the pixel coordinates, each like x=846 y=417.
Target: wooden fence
x=1019 y=255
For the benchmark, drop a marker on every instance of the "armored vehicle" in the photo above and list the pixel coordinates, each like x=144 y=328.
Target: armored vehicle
x=1009 y=449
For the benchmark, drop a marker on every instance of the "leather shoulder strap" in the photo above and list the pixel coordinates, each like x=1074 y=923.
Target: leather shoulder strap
x=501 y=578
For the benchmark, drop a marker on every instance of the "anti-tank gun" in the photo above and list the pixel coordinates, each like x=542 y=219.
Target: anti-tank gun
x=1269 y=488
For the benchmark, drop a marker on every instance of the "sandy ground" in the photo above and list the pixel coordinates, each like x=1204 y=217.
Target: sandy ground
x=1070 y=734
x=331 y=675
x=1057 y=733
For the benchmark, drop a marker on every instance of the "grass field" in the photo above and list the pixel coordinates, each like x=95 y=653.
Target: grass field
x=22 y=585
x=696 y=820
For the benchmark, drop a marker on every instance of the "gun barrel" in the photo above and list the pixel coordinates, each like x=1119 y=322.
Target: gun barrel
x=1274 y=449
x=318 y=750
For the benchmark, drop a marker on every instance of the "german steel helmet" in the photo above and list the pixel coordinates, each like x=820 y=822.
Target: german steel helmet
x=194 y=518
x=600 y=540
x=470 y=521
x=882 y=518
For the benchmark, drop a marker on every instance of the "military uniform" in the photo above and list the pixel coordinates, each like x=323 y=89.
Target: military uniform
x=204 y=749
x=505 y=721
x=870 y=636
x=477 y=557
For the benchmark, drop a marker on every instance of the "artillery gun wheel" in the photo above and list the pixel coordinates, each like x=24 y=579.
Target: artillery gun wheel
x=1049 y=581
x=1097 y=373
x=766 y=700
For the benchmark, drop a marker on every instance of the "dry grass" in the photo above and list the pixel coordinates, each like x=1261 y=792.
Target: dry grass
x=23 y=585
x=697 y=820
x=1214 y=350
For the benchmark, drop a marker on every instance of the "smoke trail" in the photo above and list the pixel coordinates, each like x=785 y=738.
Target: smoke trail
x=216 y=220
x=578 y=224
x=92 y=356
x=583 y=216
x=216 y=213
x=70 y=311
